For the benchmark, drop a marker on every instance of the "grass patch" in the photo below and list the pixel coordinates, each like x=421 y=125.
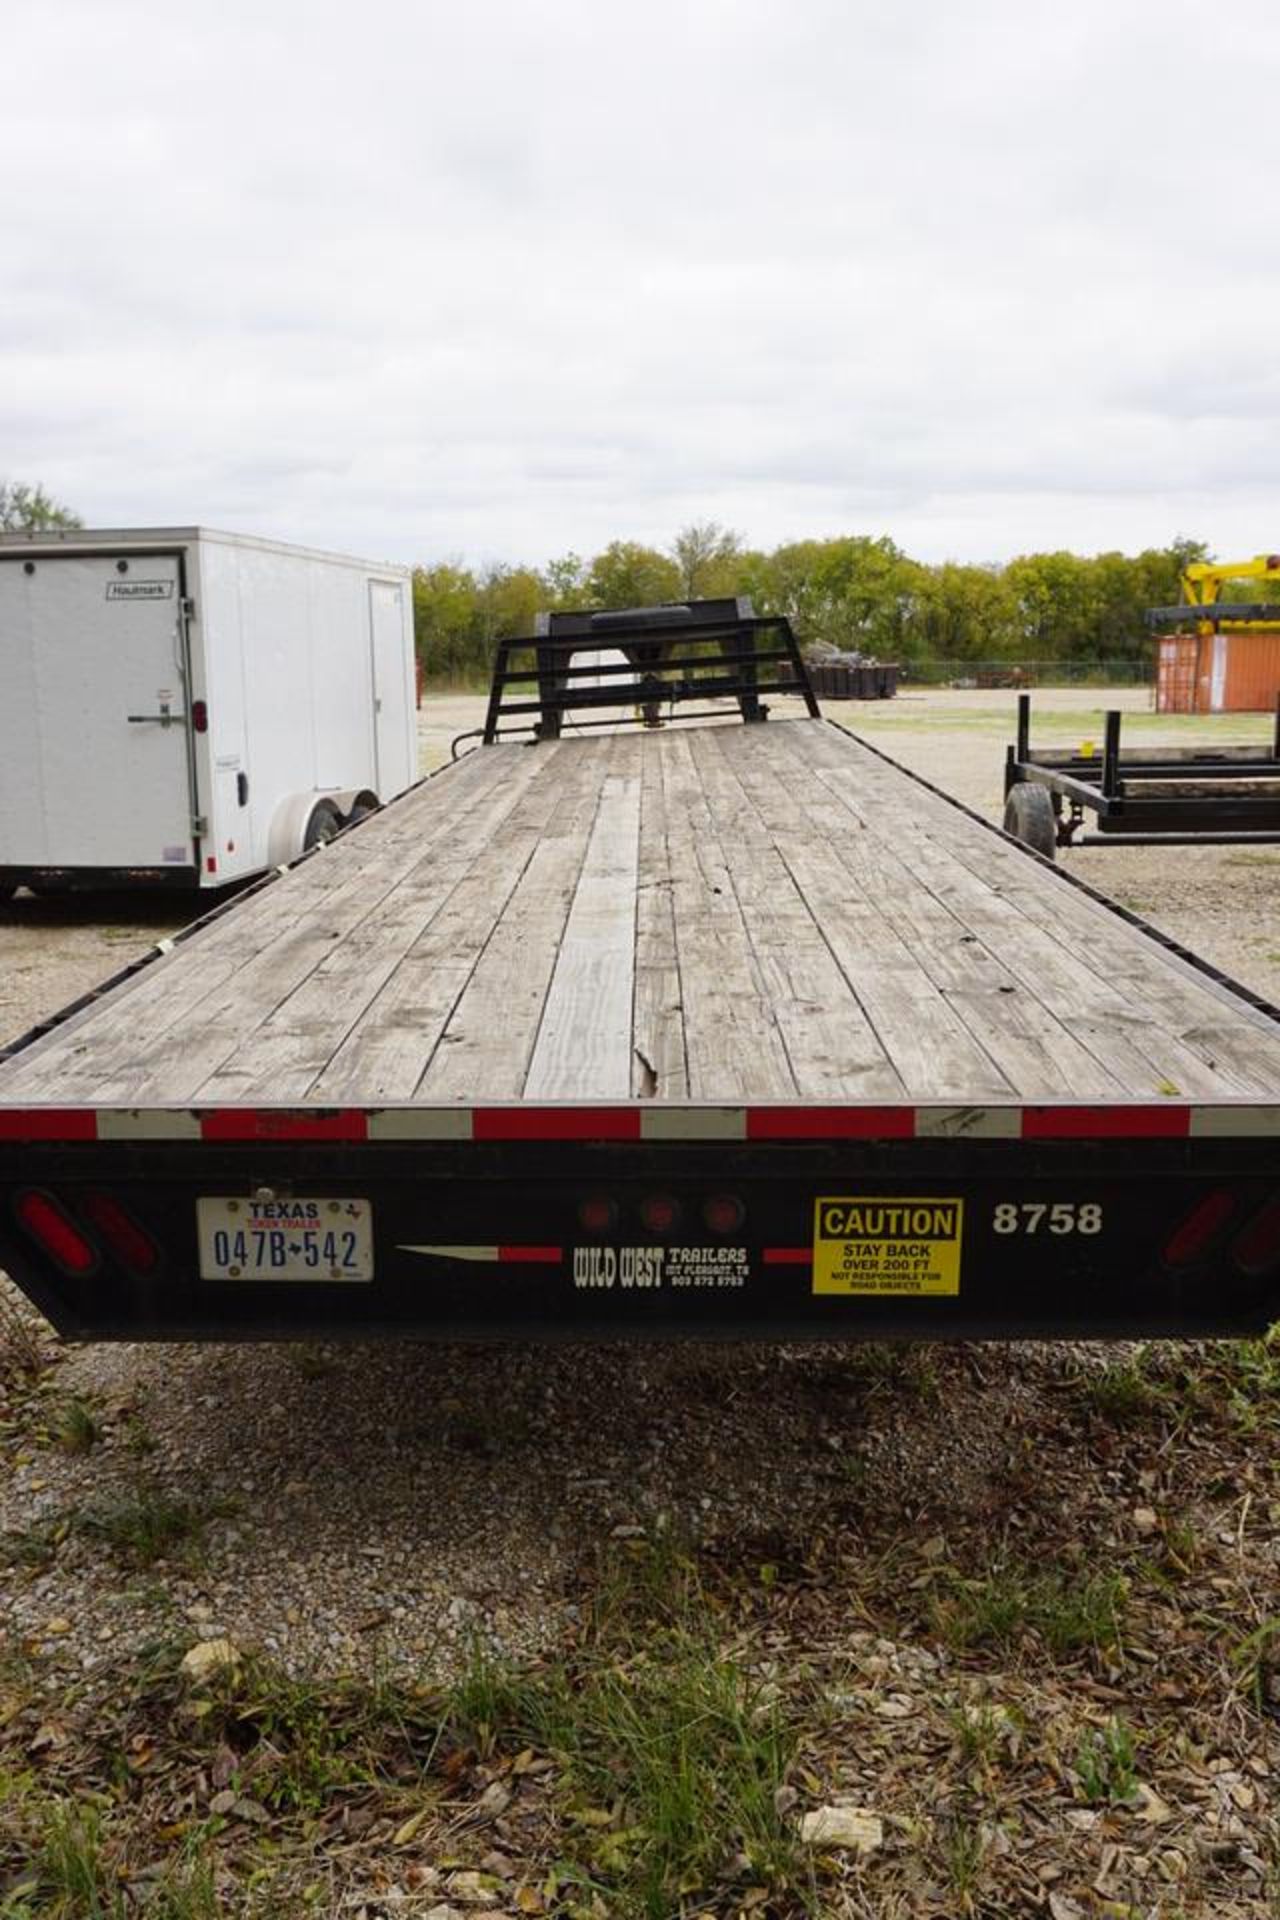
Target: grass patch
x=74 y=1428
x=1071 y=1614
x=896 y=1366
x=147 y=1524
x=302 y=1744
x=1125 y=1391
x=1106 y=1766
x=23 y=1353
x=74 y=1873
x=34 y=1547
x=671 y=1751
x=671 y=1759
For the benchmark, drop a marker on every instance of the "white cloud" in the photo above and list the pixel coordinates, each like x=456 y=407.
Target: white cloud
x=507 y=281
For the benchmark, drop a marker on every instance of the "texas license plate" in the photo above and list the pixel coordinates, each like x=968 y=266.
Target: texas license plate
x=293 y=1239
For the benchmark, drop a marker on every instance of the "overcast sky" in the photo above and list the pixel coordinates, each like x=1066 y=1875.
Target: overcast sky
x=503 y=279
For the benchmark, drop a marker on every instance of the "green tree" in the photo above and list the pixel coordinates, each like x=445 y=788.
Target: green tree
x=29 y=509
x=628 y=574
x=507 y=603
x=445 y=620
x=706 y=555
x=566 y=579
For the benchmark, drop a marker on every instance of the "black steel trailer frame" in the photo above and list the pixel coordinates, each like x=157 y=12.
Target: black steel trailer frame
x=1141 y=797
x=1073 y=1234
x=693 y=650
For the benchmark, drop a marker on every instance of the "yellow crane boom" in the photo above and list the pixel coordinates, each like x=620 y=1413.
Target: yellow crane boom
x=1203 y=580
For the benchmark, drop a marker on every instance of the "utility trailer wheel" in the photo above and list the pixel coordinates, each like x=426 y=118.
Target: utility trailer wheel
x=323 y=825
x=1029 y=817
x=361 y=807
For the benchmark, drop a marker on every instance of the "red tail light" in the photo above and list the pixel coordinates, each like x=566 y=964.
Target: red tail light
x=56 y=1233
x=1257 y=1249
x=659 y=1214
x=1202 y=1224
x=723 y=1213
x=597 y=1215
x=131 y=1244
x=199 y=716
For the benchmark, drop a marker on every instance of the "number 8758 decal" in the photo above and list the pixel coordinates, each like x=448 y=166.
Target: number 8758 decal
x=1046 y=1216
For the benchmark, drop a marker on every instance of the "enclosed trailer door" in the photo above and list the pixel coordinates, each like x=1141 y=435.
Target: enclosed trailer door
x=94 y=744
x=386 y=627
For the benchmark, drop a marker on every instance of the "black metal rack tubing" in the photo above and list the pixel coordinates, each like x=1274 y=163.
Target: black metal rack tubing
x=511 y=675
x=1127 y=839
x=615 y=637
x=640 y=693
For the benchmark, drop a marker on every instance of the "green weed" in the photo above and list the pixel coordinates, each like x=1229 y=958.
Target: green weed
x=1071 y=1614
x=1125 y=1392
x=35 y=1546
x=671 y=1753
x=980 y=1732
x=74 y=1427
x=147 y=1524
x=1106 y=1766
x=963 y=1847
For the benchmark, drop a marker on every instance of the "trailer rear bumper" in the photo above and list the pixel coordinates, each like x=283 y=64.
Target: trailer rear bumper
x=1006 y=1223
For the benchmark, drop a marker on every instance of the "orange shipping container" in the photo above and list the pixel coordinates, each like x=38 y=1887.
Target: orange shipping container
x=1235 y=671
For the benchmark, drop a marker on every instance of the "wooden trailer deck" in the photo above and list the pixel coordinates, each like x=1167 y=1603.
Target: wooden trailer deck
x=720 y=914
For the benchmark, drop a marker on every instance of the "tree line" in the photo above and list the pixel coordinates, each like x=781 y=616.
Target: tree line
x=853 y=592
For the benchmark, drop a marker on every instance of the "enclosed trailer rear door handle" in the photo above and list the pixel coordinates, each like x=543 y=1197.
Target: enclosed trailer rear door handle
x=165 y=718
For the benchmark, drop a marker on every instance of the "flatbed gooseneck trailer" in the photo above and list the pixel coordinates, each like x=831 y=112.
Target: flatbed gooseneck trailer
x=728 y=1029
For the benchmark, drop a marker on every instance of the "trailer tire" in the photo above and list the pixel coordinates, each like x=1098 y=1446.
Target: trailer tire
x=1029 y=817
x=361 y=807
x=7 y=891
x=324 y=824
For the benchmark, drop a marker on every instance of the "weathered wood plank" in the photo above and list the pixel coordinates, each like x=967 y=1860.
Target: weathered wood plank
x=734 y=1047
x=584 y=1046
x=1158 y=1024
x=1026 y=1041
x=446 y=906
x=834 y=1051
x=929 y=1046
x=181 y=1061
x=659 y=1069
x=100 y=1052
x=485 y=1048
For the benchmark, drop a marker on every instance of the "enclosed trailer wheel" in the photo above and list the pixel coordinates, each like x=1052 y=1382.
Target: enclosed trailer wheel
x=323 y=825
x=1029 y=817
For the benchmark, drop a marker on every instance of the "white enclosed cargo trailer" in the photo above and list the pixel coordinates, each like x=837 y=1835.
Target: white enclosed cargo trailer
x=189 y=707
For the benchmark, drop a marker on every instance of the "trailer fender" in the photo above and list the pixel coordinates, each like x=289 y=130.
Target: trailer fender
x=301 y=821
x=354 y=802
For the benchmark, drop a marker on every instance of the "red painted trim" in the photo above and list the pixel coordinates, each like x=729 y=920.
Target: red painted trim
x=555 y=1123
x=531 y=1256
x=1106 y=1123
x=257 y=1123
x=831 y=1123
x=788 y=1256
x=50 y=1123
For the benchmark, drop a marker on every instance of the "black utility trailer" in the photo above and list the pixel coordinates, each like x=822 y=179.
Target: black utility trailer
x=710 y=1031
x=1143 y=796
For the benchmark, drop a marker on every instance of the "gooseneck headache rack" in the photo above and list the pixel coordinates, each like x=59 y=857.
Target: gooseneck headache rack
x=647 y=662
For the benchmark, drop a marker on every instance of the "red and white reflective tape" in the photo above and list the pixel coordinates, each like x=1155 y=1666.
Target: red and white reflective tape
x=640 y=1122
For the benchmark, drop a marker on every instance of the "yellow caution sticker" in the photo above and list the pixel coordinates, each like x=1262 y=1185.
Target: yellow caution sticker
x=885 y=1247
